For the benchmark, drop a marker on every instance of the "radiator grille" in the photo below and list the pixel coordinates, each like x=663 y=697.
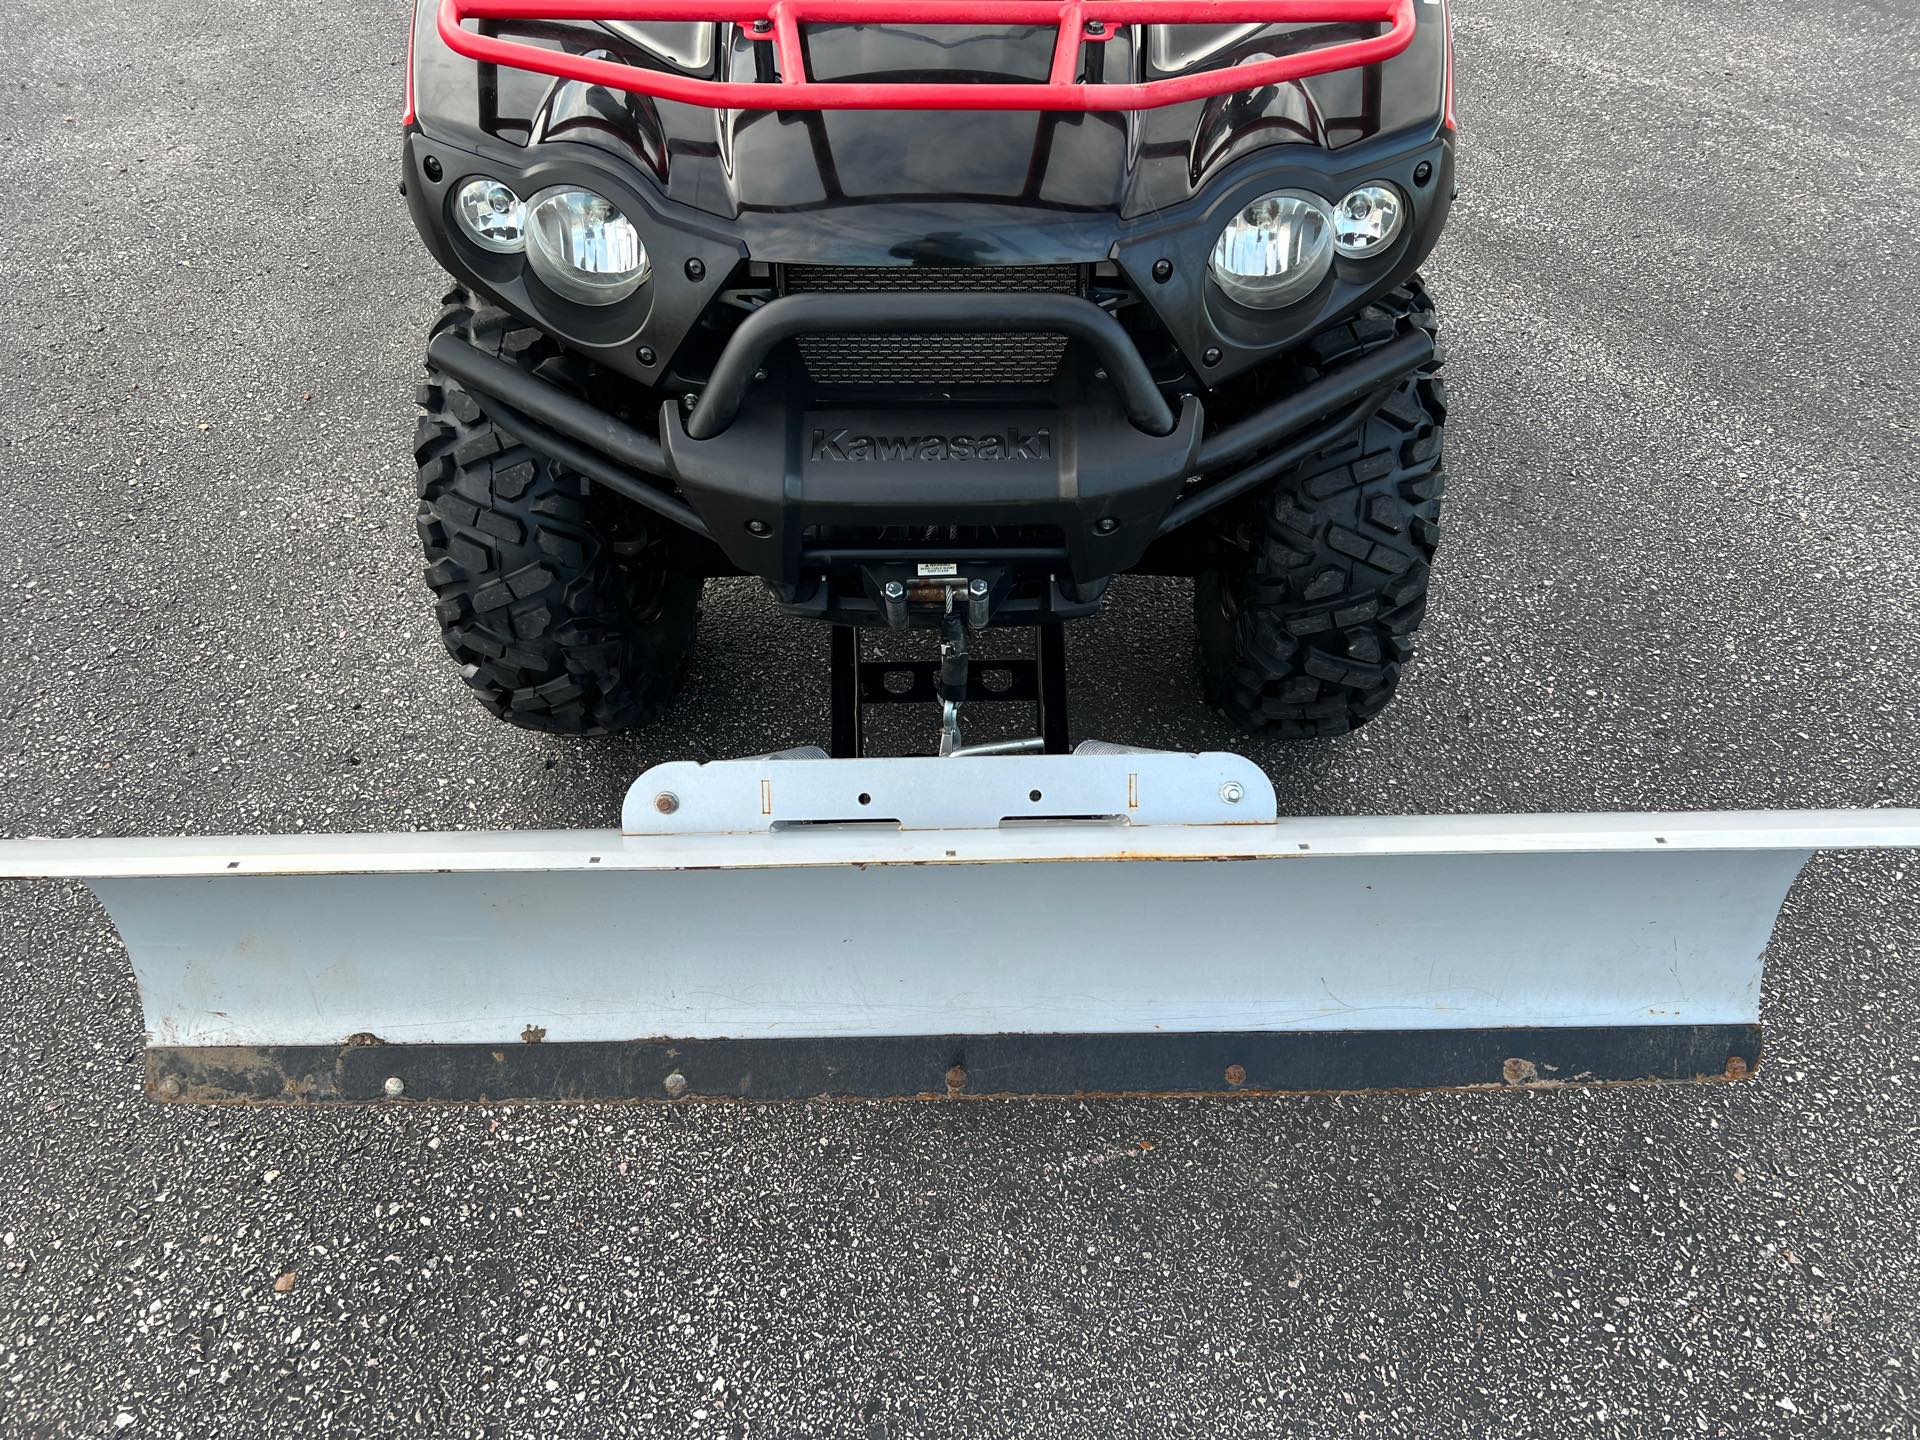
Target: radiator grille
x=933 y=359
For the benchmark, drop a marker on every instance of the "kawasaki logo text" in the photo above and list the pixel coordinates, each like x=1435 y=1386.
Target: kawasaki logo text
x=1015 y=444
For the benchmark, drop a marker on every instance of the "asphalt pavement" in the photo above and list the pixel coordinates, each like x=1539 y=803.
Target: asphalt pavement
x=1681 y=570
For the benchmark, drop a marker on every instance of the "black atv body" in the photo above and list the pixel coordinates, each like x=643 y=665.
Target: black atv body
x=898 y=361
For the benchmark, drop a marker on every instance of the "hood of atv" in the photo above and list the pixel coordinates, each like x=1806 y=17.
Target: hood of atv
x=980 y=187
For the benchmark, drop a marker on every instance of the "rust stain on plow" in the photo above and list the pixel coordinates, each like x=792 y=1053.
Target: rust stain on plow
x=236 y=1074
x=533 y=1034
x=1736 y=1068
x=1520 y=1072
x=1236 y=1075
x=362 y=1037
x=956 y=1080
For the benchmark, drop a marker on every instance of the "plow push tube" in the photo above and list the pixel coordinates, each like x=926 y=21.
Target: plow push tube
x=1077 y=23
x=1159 y=930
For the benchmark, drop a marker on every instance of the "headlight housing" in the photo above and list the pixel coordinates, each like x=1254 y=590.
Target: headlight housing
x=1275 y=251
x=583 y=247
x=491 y=216
x=1368 y=219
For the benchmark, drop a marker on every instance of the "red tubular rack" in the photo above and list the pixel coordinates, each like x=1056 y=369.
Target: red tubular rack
x=1077 y=23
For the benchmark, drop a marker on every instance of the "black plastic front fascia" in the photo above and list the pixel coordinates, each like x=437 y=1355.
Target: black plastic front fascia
x=1194 y=311
x=657 y=316
x=1199 y=315
x=790 y=462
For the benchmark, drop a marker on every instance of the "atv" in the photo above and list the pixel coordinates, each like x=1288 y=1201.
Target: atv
x=935 y=317
x=930 y=315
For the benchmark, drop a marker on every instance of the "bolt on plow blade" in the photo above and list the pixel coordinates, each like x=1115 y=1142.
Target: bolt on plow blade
x=1118 y=922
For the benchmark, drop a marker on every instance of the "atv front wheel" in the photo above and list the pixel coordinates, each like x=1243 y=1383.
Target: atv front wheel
x=557 y=599
x=1307 y=616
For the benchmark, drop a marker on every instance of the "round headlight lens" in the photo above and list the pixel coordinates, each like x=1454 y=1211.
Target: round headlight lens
x=582 y=246
x=1275 y=251
x=492 y=216
x=1368 y=220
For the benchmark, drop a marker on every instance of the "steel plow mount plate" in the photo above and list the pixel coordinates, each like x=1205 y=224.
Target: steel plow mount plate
x=962 y=792
x=748 y=941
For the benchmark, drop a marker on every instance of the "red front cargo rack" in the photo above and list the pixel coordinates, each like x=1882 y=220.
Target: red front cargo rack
x=1077 y=23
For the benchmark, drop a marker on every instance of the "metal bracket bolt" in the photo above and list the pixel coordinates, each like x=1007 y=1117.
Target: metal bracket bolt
x=675 y=1084
x=666 y=802
x=977 y=608
x=1232 y=792
x=395 y=1087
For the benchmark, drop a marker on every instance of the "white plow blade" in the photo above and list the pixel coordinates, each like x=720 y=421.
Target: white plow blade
x=762 y=956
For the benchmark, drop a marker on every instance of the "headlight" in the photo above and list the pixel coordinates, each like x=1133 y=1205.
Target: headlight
x=584 y=247
x=492 y=216
x=1275 y=251
x=1368 y=220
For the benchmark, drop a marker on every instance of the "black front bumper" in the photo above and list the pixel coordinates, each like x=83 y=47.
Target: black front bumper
x=782 y=472
x=1044 y=492
x=776 y=486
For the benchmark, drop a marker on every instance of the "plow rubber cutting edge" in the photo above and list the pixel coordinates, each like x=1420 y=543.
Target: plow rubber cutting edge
x=792 y=927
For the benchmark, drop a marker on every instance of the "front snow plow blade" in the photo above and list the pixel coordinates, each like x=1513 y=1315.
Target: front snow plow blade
x=790 y=927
